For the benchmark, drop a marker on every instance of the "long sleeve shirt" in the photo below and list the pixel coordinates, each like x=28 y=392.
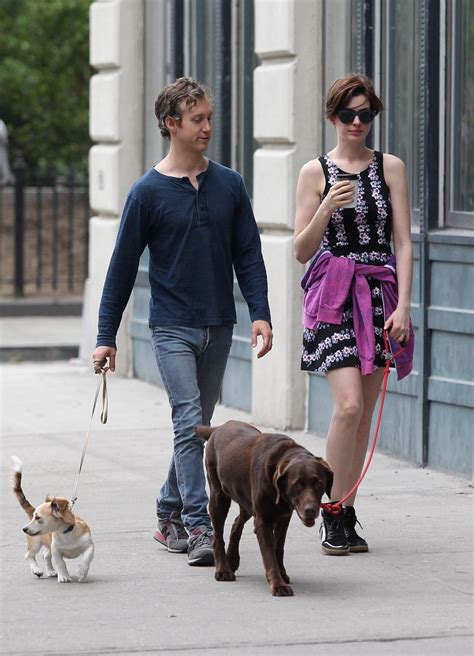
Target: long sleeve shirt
x=327 y=284
x=196 y=239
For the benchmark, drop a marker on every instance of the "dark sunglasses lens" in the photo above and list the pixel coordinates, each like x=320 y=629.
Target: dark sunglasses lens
x=346 y=115
x=366 y=116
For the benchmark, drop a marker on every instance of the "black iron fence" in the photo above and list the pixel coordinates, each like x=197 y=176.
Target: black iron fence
x=44 y=218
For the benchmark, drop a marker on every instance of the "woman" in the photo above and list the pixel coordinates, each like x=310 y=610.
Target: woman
x=357 y=266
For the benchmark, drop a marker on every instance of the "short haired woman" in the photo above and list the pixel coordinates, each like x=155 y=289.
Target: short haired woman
x=352 y=293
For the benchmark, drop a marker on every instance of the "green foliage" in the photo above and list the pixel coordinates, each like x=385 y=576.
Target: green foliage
x=44 y=79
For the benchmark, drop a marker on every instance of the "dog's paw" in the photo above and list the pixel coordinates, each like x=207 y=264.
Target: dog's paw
x=37 y=572
x=51 y=573
x=64 y=578
x=282 y=590
x=225 y=575
x=81 y=574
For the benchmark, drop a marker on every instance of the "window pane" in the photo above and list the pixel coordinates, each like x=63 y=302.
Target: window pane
x=243 y=65
x=462 y=183
x=402 y=83
x=362 y=37
x=337 y=57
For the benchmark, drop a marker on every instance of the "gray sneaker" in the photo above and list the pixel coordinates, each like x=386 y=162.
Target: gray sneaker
x=200 y=551
x=171 y=533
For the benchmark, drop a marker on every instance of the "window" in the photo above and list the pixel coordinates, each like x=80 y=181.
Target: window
x=336 y=33
x=401 y=88
x=212 y=41
x=460 y=117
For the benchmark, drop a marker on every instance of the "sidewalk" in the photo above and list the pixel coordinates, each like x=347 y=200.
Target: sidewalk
x=39 y=338
x=412 y=594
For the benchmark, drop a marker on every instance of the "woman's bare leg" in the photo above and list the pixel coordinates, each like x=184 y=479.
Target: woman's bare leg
x=370 y=392
x=348 y=398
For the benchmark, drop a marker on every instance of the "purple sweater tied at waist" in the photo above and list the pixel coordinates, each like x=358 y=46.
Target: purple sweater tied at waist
x=327 y=284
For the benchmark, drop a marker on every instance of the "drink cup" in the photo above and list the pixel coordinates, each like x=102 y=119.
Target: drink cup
x=353 y=178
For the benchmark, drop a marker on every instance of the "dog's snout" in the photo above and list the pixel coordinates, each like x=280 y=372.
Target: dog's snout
x=25 y=529
x=310 y=512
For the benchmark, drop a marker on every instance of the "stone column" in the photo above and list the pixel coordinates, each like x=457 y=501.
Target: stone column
x=287 y=120
x=116 y=161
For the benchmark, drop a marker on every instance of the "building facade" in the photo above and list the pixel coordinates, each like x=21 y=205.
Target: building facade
x=269 y=63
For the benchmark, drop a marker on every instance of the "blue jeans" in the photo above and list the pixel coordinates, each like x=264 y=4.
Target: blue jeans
x=192 y=363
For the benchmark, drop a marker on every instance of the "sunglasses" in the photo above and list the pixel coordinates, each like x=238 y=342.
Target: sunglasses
x=347 y=116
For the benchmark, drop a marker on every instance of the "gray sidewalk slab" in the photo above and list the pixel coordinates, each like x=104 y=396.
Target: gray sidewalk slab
x=412 y=594
x=40 y=331
x=42 y=338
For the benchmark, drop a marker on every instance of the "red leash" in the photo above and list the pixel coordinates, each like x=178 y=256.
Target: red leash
x=336 y=508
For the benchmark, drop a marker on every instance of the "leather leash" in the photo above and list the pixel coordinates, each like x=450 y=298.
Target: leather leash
x=98 y=369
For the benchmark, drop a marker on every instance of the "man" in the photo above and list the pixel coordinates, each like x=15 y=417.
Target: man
x=196 y=219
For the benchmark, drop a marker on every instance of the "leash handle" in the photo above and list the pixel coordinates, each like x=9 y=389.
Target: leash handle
x=336 y=508
x=103 y=417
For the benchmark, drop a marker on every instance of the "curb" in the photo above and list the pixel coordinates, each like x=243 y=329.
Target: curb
x=43 y=307
x=15 y=354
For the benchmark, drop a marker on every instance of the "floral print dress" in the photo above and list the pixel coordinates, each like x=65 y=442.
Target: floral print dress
x=363 y=234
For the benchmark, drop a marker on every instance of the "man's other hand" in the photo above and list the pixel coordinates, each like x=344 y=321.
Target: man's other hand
x=264 y=329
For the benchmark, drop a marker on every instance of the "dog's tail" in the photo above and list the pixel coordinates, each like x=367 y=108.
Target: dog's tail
x=205 y=432
x=24 y=503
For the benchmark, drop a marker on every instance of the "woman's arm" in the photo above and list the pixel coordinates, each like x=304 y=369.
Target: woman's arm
x=396 y=179
x=312 y=214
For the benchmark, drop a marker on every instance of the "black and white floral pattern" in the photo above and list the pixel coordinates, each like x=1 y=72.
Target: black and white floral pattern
x=362 y=234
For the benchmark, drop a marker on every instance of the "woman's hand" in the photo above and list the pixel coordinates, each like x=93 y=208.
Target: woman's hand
x=339 y=195
x=398 y=325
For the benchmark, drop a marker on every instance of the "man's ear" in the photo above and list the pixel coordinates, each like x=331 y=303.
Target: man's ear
x=172 y=124
x=277 y=476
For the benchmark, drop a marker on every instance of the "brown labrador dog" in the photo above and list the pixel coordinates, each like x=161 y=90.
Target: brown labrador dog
x=269 y=476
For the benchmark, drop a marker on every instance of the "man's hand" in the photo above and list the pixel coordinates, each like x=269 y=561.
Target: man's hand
x=100 y=356
x=264 y=329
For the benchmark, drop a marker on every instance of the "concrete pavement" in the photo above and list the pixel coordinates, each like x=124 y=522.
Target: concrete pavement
x=412 y=594
x=39 y=338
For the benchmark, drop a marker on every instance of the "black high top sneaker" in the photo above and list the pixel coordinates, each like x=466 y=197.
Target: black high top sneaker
x=349 y=520
x=333 y=537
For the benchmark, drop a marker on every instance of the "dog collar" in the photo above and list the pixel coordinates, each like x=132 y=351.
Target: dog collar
x=69 y=529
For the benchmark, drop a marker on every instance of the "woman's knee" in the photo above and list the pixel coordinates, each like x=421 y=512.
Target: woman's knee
x=349 y=409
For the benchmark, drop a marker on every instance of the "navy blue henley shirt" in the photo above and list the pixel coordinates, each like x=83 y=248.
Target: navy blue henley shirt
x=195 y=239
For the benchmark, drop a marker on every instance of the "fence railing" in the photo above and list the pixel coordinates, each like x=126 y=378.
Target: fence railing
x=44 y=218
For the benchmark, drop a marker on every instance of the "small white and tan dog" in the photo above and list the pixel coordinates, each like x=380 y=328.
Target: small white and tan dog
x=55 y=529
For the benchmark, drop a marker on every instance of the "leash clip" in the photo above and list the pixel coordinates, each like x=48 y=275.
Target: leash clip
x=334 y=509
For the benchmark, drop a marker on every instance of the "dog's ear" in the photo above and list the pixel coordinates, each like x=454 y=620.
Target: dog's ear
x=49 y=498
x=329 y=476
x=60 y=508
x=277 y=476
x=55 y=506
